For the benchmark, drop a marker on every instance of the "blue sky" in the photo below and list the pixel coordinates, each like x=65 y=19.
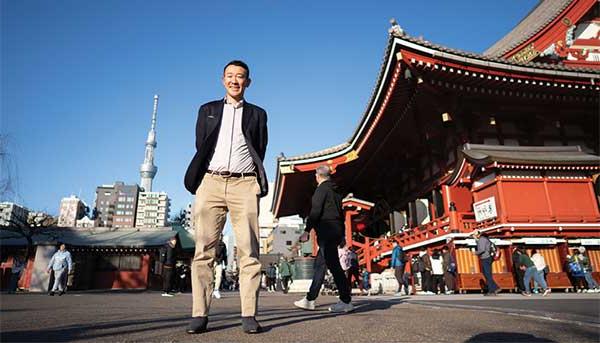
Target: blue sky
x=78 y=78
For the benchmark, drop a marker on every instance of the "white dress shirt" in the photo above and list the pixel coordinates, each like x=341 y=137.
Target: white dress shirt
x=231 y=152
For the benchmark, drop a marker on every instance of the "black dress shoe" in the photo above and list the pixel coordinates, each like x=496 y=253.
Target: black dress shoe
x=250 y=325
x=50 y=293
x=197 y=325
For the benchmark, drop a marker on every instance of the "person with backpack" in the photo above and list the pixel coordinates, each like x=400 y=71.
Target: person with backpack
x=486 y=251
x=397 y=263
x=575 y=273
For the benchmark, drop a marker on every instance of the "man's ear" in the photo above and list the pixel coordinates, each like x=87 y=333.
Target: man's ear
x=248 y=82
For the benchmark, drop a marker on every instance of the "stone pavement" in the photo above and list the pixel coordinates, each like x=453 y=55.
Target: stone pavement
x=148 y=317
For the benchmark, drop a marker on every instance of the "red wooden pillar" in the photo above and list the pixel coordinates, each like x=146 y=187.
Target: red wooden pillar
x=367 y=250
x=348 y=227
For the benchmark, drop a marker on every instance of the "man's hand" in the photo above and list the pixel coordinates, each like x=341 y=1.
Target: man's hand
x=48 y=271
x=304 y=237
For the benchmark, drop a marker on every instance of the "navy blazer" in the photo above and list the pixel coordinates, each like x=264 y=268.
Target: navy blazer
x=254 y=127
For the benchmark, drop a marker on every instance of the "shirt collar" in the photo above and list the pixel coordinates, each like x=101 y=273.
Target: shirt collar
x=238 y=105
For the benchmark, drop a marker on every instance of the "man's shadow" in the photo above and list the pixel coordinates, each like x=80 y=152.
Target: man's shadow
x=277 y=317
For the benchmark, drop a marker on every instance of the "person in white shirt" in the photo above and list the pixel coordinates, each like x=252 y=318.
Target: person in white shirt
x=540 y=265
x=437 y=271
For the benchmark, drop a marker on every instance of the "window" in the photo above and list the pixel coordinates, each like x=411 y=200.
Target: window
x=282 y=232
x=288 y=243
x=119 y=262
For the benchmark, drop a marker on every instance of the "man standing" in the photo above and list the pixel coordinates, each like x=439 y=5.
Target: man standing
x=484 y=248
x=271 y=276
x=15 y=275
x=426 y=277
x=518 y=273
x=167 y=257
x=220 y=260
x=326 y=219
x=449 y=269
x=227 y=175
x=61 y=263
x=397 y=262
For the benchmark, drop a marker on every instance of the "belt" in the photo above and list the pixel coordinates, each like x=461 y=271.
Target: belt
x=227 y=174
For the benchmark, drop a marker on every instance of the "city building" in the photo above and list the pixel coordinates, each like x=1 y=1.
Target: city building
x=13 y=214
x=189 y=217
x=116 y=204
x=71 y=209
x=284 y=237
x=505 y=142
x=152 y=209
x=148 y=169
x=85 y=222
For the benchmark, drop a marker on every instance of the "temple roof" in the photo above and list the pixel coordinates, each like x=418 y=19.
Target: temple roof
x=556 y=155
x=542 y=15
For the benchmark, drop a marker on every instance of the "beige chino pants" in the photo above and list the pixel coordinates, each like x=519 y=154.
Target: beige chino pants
x=214 y=198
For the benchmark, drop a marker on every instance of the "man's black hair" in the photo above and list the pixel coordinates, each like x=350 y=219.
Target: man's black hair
x=238 y=63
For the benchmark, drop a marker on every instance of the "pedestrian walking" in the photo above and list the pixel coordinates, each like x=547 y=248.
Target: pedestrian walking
x=485 y=253
x=168 y=259
x=397 y=263
x=366 y=284
x=584 y=262
x=227 y=175
x=287 y=274
x=540 y=265
x=531 y=272
x=220 y=263
x=353 y=272
x=576 y=274
x=437 y=271
x=449 y=264
x=326 y=218
x=517 y=272
x=15 y=274
x=61 y=264
x=426 y=277
x=271 y=275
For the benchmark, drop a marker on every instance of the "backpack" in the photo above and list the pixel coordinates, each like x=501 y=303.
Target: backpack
x=575 y=268
x=495 y=253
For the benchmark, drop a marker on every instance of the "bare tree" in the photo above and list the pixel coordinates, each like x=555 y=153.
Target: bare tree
x=36 y=224
x=8 y=173
x=179 y=219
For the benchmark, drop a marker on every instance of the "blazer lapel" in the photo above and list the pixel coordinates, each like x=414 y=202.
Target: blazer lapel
x=214 y=118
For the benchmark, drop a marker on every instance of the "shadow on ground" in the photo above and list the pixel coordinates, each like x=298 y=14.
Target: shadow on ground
x=506 y=337
x=269 y=318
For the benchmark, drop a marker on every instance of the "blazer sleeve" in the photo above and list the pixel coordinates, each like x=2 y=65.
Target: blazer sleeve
x=201 y=127
x=263 y=135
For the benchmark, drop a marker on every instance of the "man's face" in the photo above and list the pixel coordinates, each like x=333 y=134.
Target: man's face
x=63 y=247
x=235 y=81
